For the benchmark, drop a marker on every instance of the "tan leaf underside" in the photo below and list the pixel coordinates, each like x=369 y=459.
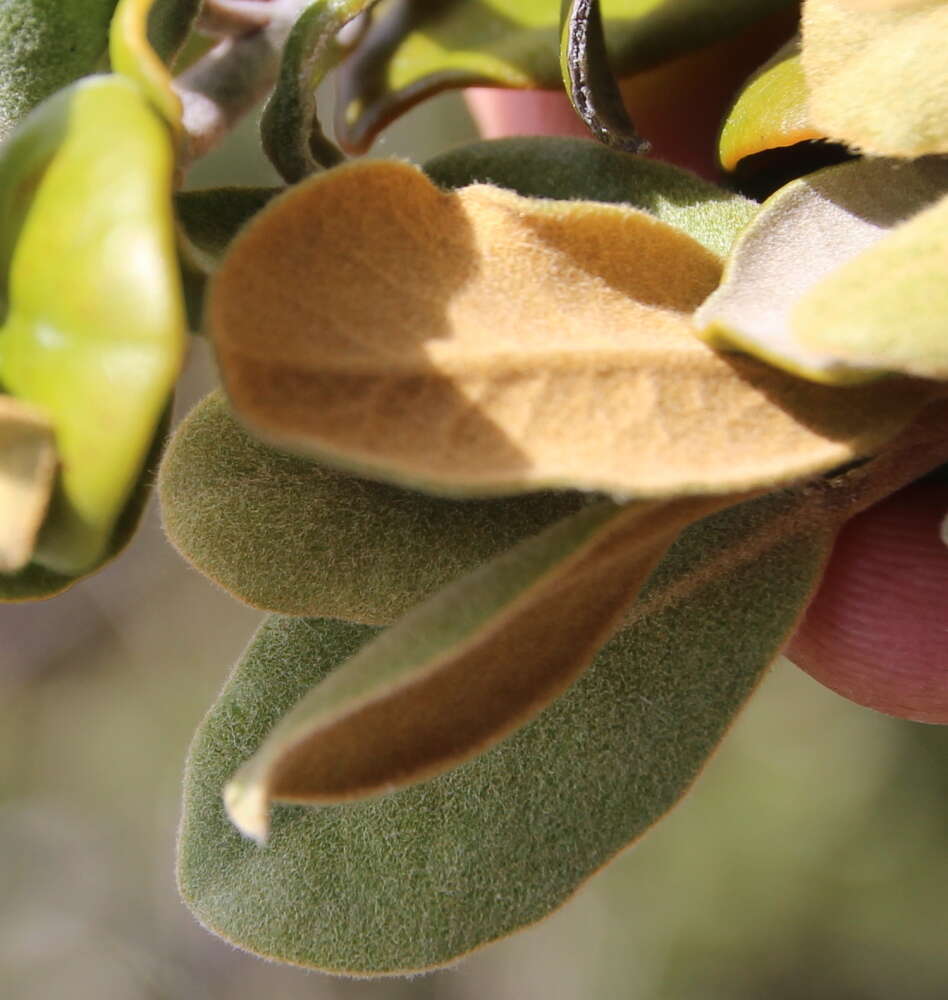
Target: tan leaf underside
x=27 y=473
x=479 y=342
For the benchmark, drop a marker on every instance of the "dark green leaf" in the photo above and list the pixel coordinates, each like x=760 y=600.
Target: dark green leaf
x=290 y=127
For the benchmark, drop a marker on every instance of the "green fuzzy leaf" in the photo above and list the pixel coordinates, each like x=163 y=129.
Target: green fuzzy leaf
x=416 y=878
x=575 y=169
x=417 y=48
x=463 y=669
x=591 y=85
x=878 y=78
x=35 y=582
x=100 y=357
x=45 y=45
x=802 y=237
x=287 y=534
x=290 y=128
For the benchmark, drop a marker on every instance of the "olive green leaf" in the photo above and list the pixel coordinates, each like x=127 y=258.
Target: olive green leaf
x=133 y=54
x=416 y=878
x=290 y=129
x=416 y=48
x=169 y=24
x=27 y=468
x=770 y=111
x=569 y=169
x=290 y=535
x=45 y=45
x=802 y=237
x=466 y=667
x=591 y=85
x=477 y=342
x=210 y=218
x=99 y=357
x=35 y=582
x=877 y=74
x=889 y=305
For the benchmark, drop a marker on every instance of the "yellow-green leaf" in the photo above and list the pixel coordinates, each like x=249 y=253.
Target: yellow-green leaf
x=291 y=535
x=770 y=111
x=460 y=671
x=132 y=55
x=877 y=76
x=27 y=468
x=477 y=342
x=416 y=878
x=888 y=306
x=101 y=355
x=802 y=238
x=416 y=48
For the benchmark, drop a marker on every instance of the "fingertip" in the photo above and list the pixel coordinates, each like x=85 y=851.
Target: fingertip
x=877 y=630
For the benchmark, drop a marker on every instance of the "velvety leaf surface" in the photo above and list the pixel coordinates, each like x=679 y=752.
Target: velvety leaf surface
x=803 y=235
x=568 y=169
x=889 y=305
x=770 y=111
x=27 y=468
x=35 y=582
x=290 y=128
x=101 y=356
x=877 y=76
x=418 y=877
x=45 y=45
x=290 y=535
x=132 y=51
x=463 y=669
x=419 y=47
x=476 y=342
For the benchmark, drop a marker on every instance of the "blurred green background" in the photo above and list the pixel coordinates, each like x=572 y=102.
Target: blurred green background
x=810 y=862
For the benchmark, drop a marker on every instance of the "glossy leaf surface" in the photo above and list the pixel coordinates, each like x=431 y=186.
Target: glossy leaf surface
x=877 y=76
x=291 y=535
x=803 y=235
x=132 y=51
x=101 y=356
x=478 y=342
x=420 y=876
x=45 y=45
x=769 y=112
x=419 y=47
